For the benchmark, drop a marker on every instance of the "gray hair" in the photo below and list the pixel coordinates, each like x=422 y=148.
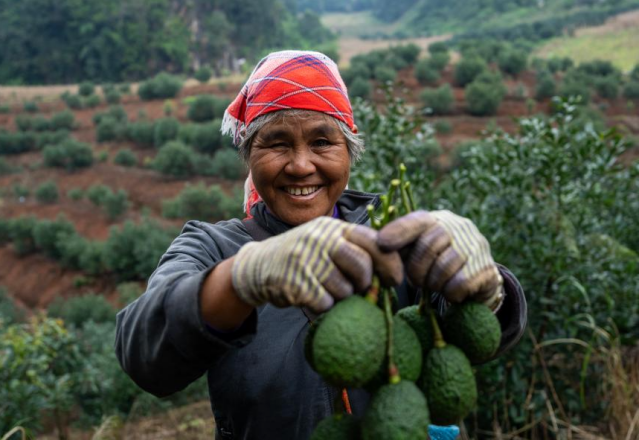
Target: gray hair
x=354 y=141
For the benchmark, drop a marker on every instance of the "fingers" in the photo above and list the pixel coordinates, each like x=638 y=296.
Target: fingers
x=447 y=264
x=355 y=263
x=404 y=230
x=388 y=265
x=337 y=284
x=424 y=253
x=480 y=286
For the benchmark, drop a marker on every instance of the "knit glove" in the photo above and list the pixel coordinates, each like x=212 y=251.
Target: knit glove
x=313 y=265
x=445 y=253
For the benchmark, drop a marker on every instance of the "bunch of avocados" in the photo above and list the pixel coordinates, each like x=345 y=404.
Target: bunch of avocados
x=416 y=365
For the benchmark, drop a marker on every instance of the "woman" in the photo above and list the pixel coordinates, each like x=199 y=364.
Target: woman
x=220 y=300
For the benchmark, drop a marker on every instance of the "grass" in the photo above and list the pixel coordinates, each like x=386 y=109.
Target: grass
x=615 y=41
x=355 y=24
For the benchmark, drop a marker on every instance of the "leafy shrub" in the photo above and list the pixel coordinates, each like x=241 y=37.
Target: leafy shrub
x=115 y=204
x=103 y=156
x=484 y=95
x=631 y=90
x=438 y=101
x=468 y=69
x=134 y=250
x=227 y=164
x=607 y=87
x=73 y=101
x=16 y=143
x=75 y=194
x=546 y=87
x=92 y=101
x=9 y=311
x=438 y=47
x=97 y=193
x=115 y=112
x=575 y=88
x=22 y=235
x=20 y=190
x=439 y=60
x=23 y=122
x=165 y=130
x=513 y=62
x=203 y=74
x=125 y=89
x=112 y=97
x=201 y=203
x=443 y=127
x=425 y=73
x=69 y=154
x=48 y=235
x=86 y=88
x=110 y=129
x=408 y=52
x=62 y=121
x=384 y=74
x=126 y=158
x=161 y=86
x=206 y=108
x=360 y=88
x=175 y=159
x=357 y=70
x=598 y=68
x=30 y=107
x=141 y=133
x=557 y=64
x=47 y=192
x=40 y=123
x=206 y=138
x=78 y=311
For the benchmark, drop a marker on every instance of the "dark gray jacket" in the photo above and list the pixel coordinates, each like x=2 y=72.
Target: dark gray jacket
x=259 y=382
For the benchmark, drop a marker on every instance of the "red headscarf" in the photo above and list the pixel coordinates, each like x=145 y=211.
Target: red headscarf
x=287 y=80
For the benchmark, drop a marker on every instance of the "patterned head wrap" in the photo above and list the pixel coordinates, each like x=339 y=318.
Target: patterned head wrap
x=283 y=80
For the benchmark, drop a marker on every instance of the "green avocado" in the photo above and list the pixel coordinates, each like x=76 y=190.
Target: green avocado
x=407 y=354
x=420 y=324
x=474 y=328
x=337 y=427
x=349 y=344
x=449 y=385
x=396 y=412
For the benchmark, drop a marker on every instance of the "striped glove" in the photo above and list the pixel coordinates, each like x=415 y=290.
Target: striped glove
x=313 y=265
x=445 y=253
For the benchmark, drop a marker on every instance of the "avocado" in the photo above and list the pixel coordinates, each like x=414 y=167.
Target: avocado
x=407 y=355
x=449 y=385
x=337 y=427
x=350 y=343
x=474 y=328
x=396 y=412
x=420 y=324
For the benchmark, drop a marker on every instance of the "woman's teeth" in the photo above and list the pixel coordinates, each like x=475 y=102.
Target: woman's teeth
x=301 y=191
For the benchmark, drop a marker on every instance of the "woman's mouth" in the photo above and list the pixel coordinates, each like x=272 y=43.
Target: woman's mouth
x=302 y=192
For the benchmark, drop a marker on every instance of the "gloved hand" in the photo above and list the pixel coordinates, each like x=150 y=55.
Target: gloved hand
x=313 y=265
x=445 y=253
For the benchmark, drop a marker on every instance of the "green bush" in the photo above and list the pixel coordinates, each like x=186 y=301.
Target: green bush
x=546 y=87
x=22 y=235
x=357 y=70
x=227 y=164
x=115 y=204
x=78 y=311
x=607 y=87
x=75 y=194
x=126 y=158
x=48 y=236
x=141 y=133
x=92 y=101
x=408 y=52
x=17 y=143
x=443 y=127
x=40 y=123
x=20 y=190
x=360 y=88
x=86 y=88
x=125 y=89
x=115 y=112
x=24 y=122
x=110 y=129
x=484 y=95
x=10 y=313
x=97 y=193
x=175 y=159
x=207 y=138
x=47 y=192
x=513 y=61
x=62 y=121
x=439 y=60
x=575 y=88
x=206 y=108
x=201 y=203
x=598 y=68
x=384 y=74
x=631 y=90
x=112 y=97
x=69 y=154
x=438 y=101
x=425 y=73
x=30 y=107
x=557 y=64
x=468 y=69
x=161 y=86
x=132 y=251
x=72 y=101
x=165 y=130
x=203 y=74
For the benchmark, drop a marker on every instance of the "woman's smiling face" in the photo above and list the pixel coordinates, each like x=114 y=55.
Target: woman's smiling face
x=300 y=166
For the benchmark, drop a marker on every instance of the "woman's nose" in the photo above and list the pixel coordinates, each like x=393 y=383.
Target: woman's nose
x=300 y=162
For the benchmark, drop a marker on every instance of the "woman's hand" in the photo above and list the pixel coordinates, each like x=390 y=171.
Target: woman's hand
x=313 y=265
x=445 y=253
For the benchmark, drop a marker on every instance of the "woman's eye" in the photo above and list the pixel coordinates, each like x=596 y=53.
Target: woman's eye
x=321 y=143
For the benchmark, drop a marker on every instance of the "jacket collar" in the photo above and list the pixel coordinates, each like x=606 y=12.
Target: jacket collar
x=351 y=206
